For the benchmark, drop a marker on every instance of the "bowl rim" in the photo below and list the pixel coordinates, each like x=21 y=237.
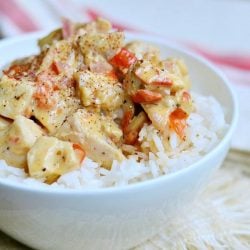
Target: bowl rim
x=147 y=183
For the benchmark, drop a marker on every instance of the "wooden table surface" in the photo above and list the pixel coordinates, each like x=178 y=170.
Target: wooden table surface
x=235 y=158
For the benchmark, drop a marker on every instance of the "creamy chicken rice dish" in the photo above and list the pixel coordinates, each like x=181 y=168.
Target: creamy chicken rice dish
x=93 y=110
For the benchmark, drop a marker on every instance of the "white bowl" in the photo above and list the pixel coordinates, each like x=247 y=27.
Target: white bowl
x=112 y=218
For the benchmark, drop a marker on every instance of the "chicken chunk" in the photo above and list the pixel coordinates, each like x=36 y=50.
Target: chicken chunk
x=72 y=31
x=49 y=158
x=64 y=104
x=152 y=73
x=96 y=134
x=142 y=49
x=177 y=73
x=99 y=90
x=105 y=44
x=97 y=63
x=15 y=97
x=63 y=55
x=170 y=73
x=17 y=139
x=100 y=25
x=159 y=112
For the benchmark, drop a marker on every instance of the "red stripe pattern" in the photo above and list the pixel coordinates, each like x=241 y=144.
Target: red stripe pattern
x=241 y=62
x=15 y=14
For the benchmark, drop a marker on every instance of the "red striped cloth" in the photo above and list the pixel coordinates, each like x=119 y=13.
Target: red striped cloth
x=16 y=15
x=19 y=16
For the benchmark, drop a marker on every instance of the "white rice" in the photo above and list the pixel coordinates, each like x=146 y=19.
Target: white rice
x=206 y=126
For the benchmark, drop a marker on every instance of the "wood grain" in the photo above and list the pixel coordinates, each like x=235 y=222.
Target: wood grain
x=235 y=159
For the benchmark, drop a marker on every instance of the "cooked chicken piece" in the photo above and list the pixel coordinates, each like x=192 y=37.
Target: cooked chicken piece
x=61 y=104
x=159 y=112
x=154 y=74
x=184 y=101
x=131 y=83
x=170 y=73
x=178 y=73
x=4 y=123
x=99 y=25
x=105 y=44
x=97 y=63
x=142 y=49
x=72 y=30
x=99 y=90
x=15 y=97
x=62 y=57
x=95 y=122
x=49 y=158
x=96 y=134
x=16 y=141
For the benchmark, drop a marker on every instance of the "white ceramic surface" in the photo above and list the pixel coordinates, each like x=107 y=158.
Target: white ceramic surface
x=114 y=218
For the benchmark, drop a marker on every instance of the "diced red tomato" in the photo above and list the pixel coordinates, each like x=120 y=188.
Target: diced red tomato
x=56 y=87
x=128 y=115
x=133 y=128
x=79 y=151
x=41 y=91
x=17 y=71
x=146 y=96
x=131 y=137
x=177 y=120
x=55 y=68
x=112 y=74
x=123 y=59
x=165 y=83
x=43 y=97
